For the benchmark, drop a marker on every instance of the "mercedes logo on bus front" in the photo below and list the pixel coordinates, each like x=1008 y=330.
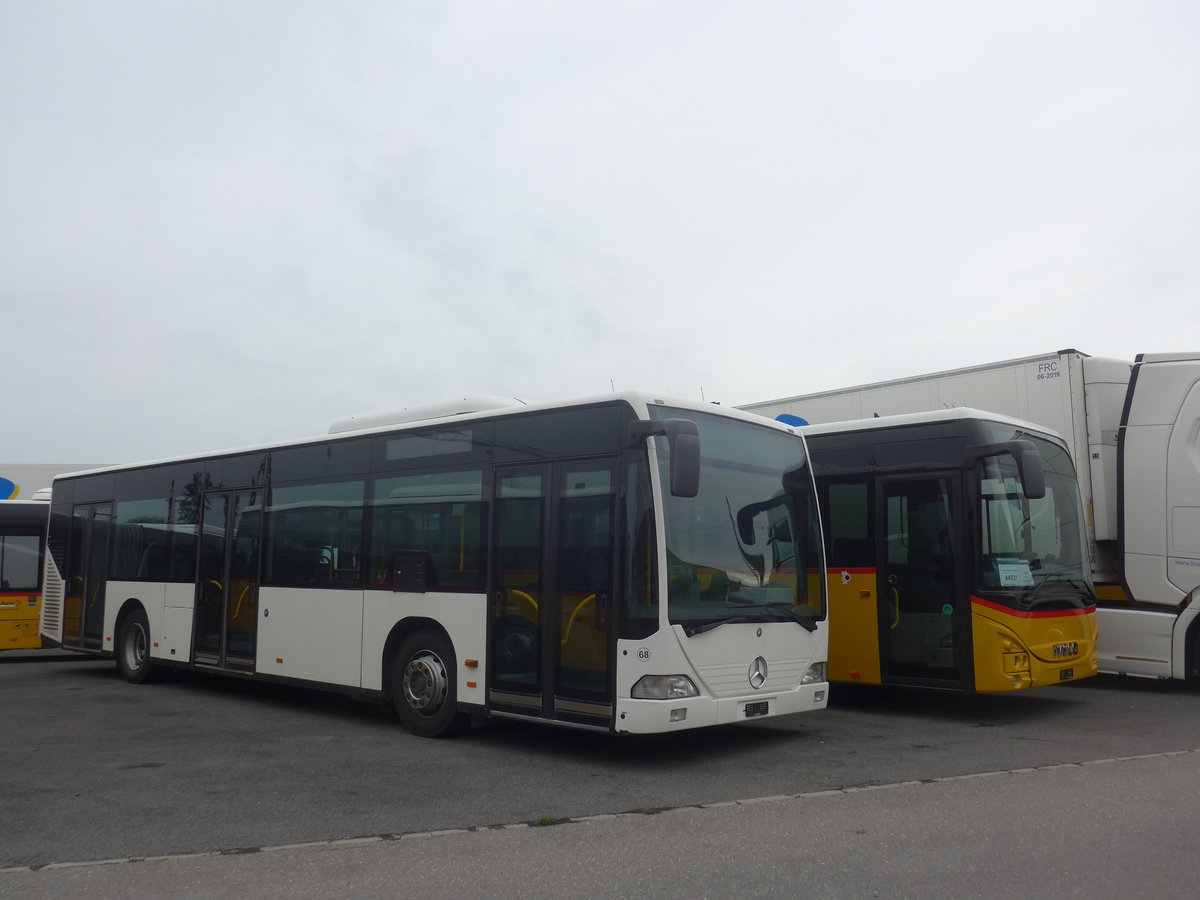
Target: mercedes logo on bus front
x=758 y=672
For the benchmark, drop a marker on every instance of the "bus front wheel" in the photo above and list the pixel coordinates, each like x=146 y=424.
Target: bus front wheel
x=424 y=689
x=133 y=649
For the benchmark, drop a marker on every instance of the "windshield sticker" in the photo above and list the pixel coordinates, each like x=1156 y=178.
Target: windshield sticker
x=1014 y=573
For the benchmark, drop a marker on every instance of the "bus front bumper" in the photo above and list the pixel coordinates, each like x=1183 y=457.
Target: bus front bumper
x=656 y=716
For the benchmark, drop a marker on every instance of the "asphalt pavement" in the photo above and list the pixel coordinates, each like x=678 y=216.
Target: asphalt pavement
x=216 y=788
x=1104 y=828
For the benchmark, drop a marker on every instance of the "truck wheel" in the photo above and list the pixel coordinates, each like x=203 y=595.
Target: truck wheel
x=133 y=649
x=424 y=689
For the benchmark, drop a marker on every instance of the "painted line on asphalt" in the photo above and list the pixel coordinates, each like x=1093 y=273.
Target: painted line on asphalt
x=340 y=843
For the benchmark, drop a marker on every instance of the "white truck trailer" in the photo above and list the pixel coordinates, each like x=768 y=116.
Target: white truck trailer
x=1134 y=431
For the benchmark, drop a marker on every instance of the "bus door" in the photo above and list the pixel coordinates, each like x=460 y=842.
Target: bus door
x=83 y=601
x=226 y=622
x=924 y=613
x=551 y=591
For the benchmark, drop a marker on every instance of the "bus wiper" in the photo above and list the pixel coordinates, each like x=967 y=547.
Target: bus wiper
x=808 y=623
x=805 y=622
x=1028 y=601
x=693 y=630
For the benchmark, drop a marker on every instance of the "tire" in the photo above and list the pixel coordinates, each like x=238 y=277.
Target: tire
x=424 y=686
x=133 y=649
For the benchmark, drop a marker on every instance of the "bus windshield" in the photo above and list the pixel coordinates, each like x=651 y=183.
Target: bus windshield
x=1034 y=552
x=747 y=547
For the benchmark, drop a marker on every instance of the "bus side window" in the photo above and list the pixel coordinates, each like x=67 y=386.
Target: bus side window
x=314 y=534
x=434 y=517
x=641 y=606
x=848 y=520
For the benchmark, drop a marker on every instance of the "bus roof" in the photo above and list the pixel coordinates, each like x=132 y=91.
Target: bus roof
x=921 y=418
x=24 y=513
x=636 y=399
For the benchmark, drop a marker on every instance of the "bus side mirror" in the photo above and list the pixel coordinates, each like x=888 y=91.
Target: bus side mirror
x=1033 y=473
x=683 y=439
x=1029 y=464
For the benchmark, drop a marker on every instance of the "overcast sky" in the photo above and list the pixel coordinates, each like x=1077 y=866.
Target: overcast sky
x=226 y=223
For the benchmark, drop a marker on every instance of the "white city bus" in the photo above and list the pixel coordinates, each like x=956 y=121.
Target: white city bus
x=621 y=564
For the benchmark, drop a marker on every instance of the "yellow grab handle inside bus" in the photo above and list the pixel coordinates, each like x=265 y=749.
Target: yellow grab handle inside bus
x=571 y=621
x=524 y=596
x=237 y=609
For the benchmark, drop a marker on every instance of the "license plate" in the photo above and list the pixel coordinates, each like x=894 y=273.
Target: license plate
x=1066 y=674
x=757 y=709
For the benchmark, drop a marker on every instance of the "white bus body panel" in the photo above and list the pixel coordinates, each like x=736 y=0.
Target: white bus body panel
x=290 y=647
x=463 y=616
x=150 y=595
x=719 y=663
x=179 y=601
x=176 y=641
x=168 y=615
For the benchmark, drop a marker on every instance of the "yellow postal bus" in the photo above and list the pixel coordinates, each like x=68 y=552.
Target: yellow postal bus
x=957 y=552
x=22 y=540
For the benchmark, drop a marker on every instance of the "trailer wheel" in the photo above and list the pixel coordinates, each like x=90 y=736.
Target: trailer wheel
x=424 y=689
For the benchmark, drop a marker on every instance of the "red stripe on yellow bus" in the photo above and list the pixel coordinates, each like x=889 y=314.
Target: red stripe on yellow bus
x=1048 y=614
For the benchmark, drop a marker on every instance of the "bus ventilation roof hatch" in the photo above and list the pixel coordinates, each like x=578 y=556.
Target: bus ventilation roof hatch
x=477 y=403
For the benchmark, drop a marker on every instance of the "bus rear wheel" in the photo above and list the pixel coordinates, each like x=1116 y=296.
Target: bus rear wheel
x=424 y=690
x=133 y=649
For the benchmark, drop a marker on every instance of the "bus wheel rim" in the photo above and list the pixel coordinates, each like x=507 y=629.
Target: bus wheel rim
x=425 y=683
x=135 y=647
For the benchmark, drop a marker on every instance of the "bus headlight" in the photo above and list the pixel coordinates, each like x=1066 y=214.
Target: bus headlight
x=663 y=687
x=1016 y=662
x=815 y=673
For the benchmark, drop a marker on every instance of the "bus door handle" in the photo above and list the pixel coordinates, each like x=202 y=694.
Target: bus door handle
x=602 y=610
x=892 y=581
